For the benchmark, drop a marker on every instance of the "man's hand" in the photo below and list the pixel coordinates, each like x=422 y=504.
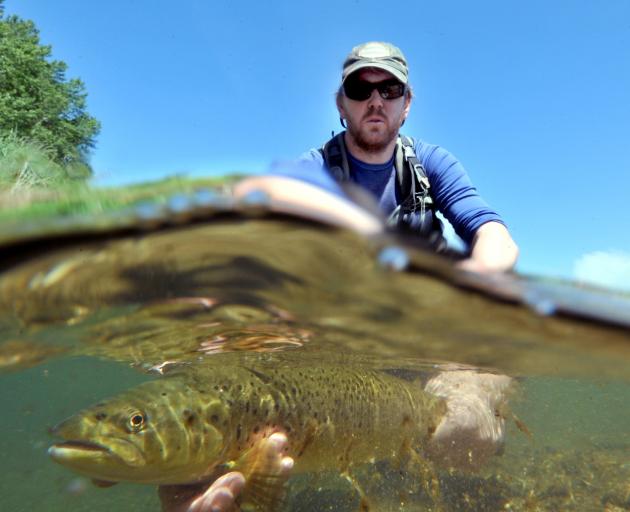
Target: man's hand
x=222 y=495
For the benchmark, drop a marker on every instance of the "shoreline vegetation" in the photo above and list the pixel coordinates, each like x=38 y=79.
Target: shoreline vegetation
x=34 y=186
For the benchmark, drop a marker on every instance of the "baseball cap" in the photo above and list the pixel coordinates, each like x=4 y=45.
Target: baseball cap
x=379 y=55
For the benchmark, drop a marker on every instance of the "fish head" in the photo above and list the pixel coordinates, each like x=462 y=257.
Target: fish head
x=146 y=435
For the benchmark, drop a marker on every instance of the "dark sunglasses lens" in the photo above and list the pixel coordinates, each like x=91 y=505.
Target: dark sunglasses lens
x=358 y=90
x=391 y=90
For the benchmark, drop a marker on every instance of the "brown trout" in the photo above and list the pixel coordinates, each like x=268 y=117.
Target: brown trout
x=189 y=425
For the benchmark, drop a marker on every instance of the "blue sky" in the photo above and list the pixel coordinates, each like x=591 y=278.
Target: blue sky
x=533 y=97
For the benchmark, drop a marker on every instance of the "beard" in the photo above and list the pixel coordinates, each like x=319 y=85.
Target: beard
x=372 y=141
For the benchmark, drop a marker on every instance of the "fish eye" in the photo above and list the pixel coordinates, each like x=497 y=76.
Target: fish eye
x=136 y=421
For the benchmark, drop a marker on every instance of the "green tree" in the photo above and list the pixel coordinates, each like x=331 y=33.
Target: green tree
x=37 y=102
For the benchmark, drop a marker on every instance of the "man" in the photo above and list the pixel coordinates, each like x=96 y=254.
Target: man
x=373 y=101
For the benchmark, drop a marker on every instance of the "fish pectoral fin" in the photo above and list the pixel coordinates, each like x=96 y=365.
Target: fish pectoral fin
x=520 y=424
x=102 y=483
x=264 y=491
x=266 y=471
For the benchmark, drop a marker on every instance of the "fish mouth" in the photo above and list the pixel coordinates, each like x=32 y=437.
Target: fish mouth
x=82 y=446
x=78 y=451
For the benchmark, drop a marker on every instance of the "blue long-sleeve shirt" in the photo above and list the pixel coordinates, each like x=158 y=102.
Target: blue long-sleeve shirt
x=450 y=187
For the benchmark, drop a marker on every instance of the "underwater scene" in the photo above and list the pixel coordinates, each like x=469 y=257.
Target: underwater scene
x=140 y=359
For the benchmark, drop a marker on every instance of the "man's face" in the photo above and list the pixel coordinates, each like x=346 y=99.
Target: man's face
x=373 y=123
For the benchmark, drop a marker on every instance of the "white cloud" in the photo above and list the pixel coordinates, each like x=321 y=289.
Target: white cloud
x=604 y=268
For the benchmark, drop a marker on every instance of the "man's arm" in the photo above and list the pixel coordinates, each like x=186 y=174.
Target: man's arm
x=492 y=250
x=491 y=246
x=297 y=197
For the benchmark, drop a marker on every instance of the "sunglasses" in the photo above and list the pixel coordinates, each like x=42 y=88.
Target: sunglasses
x=360 y=90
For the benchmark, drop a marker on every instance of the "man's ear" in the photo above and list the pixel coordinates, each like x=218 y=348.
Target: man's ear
x=407 y=106
x=342 y=111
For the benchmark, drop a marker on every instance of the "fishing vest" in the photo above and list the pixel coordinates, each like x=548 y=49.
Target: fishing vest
x=416 y=210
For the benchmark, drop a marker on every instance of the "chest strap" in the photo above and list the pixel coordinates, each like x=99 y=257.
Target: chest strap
x=412 y=183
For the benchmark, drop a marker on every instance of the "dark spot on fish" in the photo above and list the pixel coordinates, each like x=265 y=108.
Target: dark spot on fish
x=264 y=378
x=256 y=429
x=100 y=416
x=189 y=417
x=276 y=407
x=287 y=428
x=214 y=418
x=164 y=393
x=246 y=406
x=238 y=431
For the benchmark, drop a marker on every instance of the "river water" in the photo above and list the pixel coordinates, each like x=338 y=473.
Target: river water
x=84 y=318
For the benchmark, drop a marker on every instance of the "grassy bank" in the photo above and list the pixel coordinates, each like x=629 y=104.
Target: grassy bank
x=80 y=198
x=33 y=186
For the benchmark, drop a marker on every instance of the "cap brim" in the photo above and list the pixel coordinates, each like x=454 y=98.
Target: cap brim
x=399 y=75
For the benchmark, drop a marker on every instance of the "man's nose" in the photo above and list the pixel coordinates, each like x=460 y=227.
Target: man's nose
x=375 y=100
